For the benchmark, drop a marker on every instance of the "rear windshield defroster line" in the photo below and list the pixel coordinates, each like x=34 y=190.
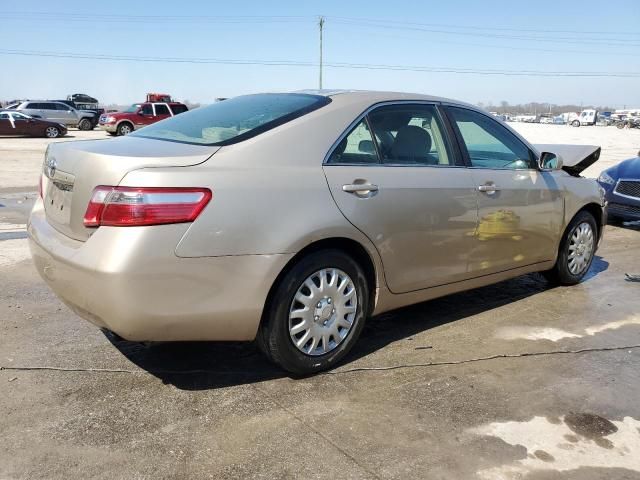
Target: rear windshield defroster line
x=234 y=120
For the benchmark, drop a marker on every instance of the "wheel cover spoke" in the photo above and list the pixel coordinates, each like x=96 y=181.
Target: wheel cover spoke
x=323 y=311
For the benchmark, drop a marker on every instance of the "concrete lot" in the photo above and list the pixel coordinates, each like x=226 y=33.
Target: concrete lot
x=516 y=380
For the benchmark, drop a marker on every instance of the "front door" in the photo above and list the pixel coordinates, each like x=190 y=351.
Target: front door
x=404 y=189
x=520 y=208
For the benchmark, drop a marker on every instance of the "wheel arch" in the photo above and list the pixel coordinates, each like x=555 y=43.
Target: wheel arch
x=352 y=247
x=595 y=210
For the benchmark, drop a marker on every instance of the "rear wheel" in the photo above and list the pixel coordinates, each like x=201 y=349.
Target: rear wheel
x=85 y=124
x=316 y=314
x=577 y=248
x=52 y=132
x=124 y=129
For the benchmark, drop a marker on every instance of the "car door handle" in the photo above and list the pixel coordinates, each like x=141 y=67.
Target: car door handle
x=361 y=189
x=489 y=189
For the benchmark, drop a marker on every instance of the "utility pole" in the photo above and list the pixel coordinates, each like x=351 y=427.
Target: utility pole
x=321 y=26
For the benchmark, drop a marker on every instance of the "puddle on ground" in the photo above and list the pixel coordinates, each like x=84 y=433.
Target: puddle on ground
x=556 y=334
x=577 y=440
x=13 y=245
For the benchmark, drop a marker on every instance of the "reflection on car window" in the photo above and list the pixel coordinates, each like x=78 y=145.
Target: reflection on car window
x=410 y=135
x=489 y=144
x=147 y=109
x=355 y=148
x=235 y=119
x=4 y=116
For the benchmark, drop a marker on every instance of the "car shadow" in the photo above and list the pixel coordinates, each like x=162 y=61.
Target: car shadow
x=212 y=365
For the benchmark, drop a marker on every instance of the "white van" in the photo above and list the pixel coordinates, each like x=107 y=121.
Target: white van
x=587 y=117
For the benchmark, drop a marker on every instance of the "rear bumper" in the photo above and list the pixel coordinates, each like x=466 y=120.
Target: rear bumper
x=130 y=281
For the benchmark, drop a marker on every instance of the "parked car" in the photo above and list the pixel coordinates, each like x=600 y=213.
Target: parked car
x=290 y=218
x=17 y=123
x=622 y=186
x=139 y=115
x=57 y=112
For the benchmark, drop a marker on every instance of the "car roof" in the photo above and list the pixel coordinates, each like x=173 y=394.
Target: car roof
x=378 y=95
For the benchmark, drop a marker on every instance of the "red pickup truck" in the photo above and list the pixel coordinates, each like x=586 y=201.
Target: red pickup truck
x=138 y=115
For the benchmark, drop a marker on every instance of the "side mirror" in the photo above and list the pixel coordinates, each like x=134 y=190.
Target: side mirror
x=549 y=161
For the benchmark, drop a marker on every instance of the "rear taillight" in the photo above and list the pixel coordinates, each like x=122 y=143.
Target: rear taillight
x=137 y=206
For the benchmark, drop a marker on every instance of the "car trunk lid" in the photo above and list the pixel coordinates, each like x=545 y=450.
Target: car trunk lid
x=72 y=170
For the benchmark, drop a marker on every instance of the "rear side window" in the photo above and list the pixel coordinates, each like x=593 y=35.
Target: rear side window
x=234 y=120
x=162 y=109
x=410 y=135
x=178 y=109
x=356 y=148
x=34 y=106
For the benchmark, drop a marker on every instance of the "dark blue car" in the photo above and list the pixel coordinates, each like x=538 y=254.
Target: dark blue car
x=622 y=186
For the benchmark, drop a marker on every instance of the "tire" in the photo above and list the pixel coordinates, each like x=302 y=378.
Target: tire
x=563 y=273
x=125 y=128
x=575 y=123
x=85 y=125
x=326 y=305
x=52 y=132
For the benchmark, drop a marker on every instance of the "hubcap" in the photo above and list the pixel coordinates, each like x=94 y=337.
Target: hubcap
x=580 y=248
x=322 y=311
x=52 y=132
x=125 y=130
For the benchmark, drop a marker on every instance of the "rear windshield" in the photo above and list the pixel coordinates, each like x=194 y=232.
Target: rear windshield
x=233 y=120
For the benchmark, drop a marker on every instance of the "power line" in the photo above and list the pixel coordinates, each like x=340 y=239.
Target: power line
x=473 y=27
x=573 y=40
x=296 y=63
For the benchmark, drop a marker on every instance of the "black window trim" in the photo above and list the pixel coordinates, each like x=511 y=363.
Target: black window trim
x=447 y=133
x=322 y=101
x=463 y=147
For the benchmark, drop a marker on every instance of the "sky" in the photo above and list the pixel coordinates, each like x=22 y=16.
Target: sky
x=446 y=40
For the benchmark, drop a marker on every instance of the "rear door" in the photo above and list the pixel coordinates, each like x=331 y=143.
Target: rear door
x=6 y=124
x=161 y=111
x=520 y=208
x=397 y=178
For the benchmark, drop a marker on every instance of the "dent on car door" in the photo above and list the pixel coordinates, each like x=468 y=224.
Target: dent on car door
x=520 y=208
x=402 y=188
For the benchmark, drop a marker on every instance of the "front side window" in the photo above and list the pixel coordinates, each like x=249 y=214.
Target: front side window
x=48 y=106
x=356 y=148
x=34 y=106
x=235 y=119
x=147 y=109
x=488 y=143
x=410 y=135
x=162 y=109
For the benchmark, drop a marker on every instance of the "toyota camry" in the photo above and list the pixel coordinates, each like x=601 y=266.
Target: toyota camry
x=289 y=218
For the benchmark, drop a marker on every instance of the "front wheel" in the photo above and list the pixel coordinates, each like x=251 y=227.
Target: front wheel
x=575 y=123
x=316 y=313
x=124 y=129
x=577 y=248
